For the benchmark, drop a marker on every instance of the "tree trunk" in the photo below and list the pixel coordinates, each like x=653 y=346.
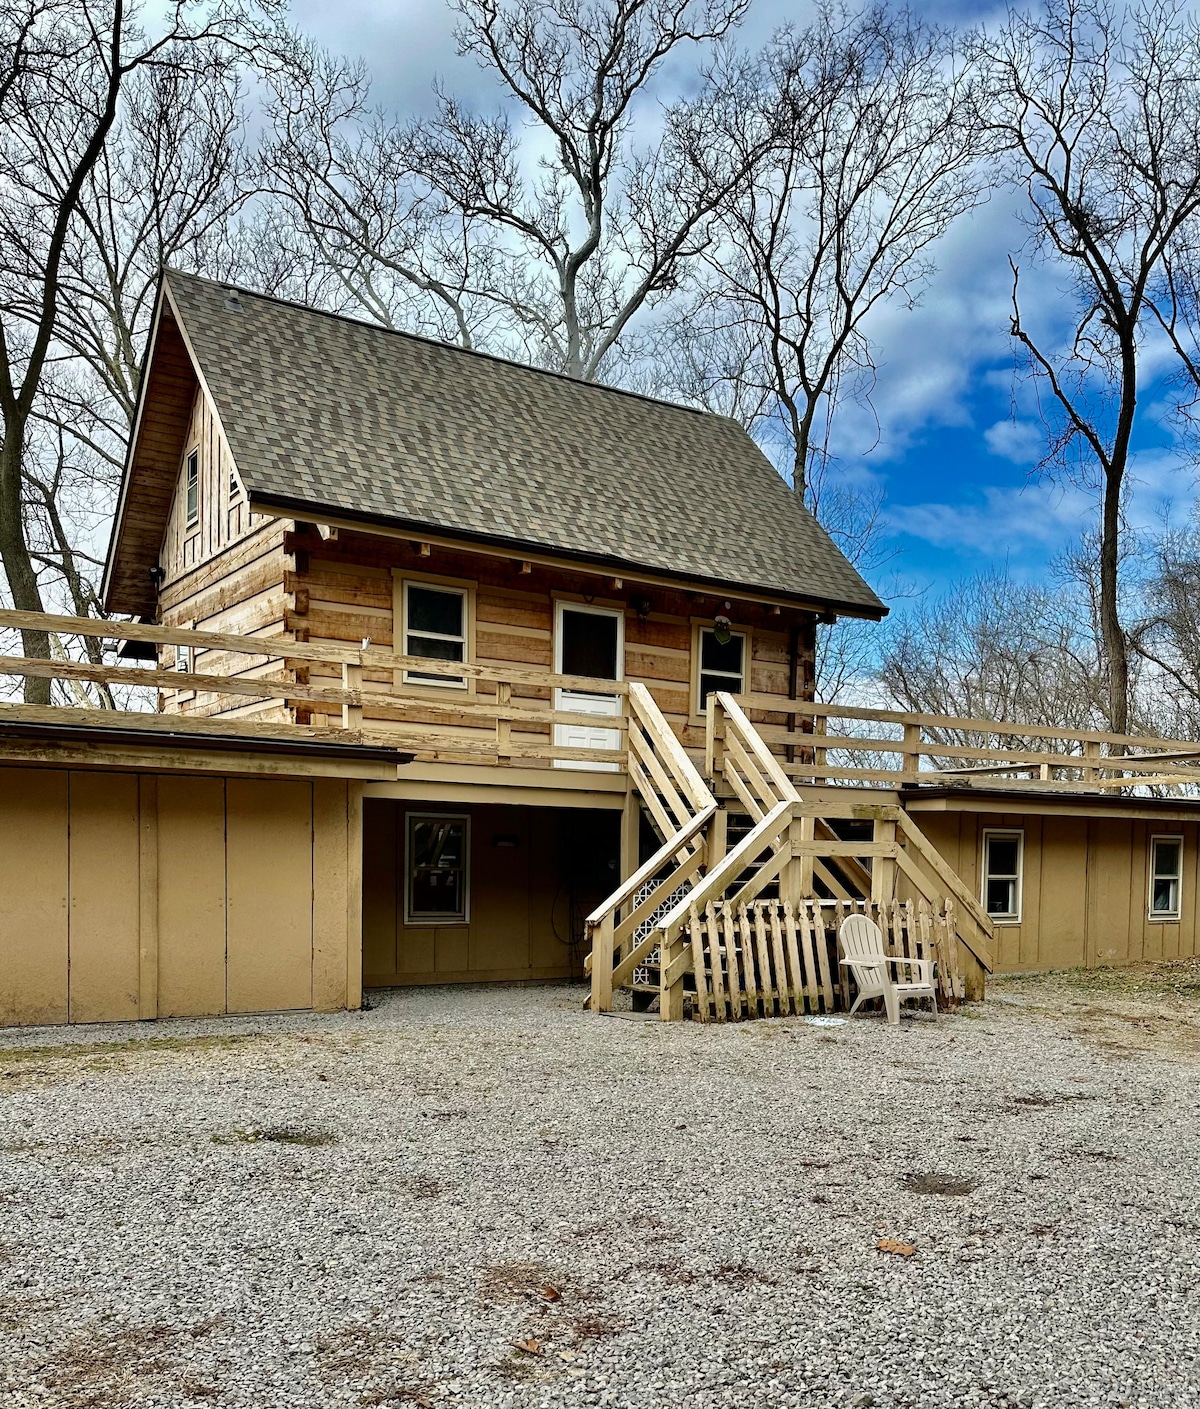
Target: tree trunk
x=14 y=554
x=1116 y=648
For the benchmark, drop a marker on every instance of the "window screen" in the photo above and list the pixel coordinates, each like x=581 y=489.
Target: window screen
x=435 y=627
x=437 y=869
x=1002 y=874
x=722 y=666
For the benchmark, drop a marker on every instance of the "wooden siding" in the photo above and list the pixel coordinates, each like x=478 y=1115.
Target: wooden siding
x=1085 y=887
x=225 y=574
x=524 y=897
x=127 y=895
x=346 y=590
x=167 y=412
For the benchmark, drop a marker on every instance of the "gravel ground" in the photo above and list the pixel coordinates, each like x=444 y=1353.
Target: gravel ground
x=488 y=1197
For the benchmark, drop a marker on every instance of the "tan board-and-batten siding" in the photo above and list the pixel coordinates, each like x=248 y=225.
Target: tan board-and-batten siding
x=128 y=895
x=1085 y=885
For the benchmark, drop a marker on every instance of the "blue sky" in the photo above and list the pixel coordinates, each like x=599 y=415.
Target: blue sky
x=954 y=437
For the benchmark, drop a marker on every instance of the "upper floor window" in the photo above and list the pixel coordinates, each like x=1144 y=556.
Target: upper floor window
x=1003 y=863
x=722 y=663
x=434 y=627
x=1166 y=873
x=192 y=487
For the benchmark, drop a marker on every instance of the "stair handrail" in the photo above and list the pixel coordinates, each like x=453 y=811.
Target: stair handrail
x=683 y=813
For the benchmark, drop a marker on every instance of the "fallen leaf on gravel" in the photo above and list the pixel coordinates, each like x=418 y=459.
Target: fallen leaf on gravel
x=895 y=1247
x=551 y=1293
x=530 y=1347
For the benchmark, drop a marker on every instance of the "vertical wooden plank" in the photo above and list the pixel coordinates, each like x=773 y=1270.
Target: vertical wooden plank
x=748 y=966
x=733 y=967
x=330 y=911
x=768 y=986
x=602 y=965
x=781 y=973
x=822 y=942
x=1110 y=867
x=33 y=895
x=191 y=896
x=147 y=896
x=796 y=972
x=1062 y=918
x=702 y=989
x=714 y=949
x=354 y=895
x=269 y=850
x=808 y=958
x=382 y=854
x=105 y=904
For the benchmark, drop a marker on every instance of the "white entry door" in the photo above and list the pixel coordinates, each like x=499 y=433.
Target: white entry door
x=588 y=641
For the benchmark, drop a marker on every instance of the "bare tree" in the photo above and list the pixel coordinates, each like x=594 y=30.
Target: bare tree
x=875 y=159
x=1168 y=635
x=1100 y=114
x=991 y=647
x=66 y=70
x=543 y=228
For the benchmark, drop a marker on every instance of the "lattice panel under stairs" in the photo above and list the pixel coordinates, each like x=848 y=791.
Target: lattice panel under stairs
x=768 y=959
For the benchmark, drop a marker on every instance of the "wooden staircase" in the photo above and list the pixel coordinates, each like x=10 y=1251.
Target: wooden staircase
x=647 y=934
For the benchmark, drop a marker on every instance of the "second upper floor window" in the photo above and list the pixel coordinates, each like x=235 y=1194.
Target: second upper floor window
x=722 y=664
x=435 y=628
x=192 y=488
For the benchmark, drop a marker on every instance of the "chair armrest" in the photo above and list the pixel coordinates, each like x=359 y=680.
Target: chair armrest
x=866 y=962
x=924 y=967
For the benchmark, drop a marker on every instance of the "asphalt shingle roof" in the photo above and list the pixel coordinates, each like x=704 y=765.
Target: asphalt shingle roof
x=354 y=419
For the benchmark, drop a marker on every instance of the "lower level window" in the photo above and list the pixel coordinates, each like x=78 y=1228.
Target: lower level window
x=437 y=852
x=1166 y=870
x=1002 y=864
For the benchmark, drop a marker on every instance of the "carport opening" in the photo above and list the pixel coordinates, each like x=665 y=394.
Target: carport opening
x=464 y=893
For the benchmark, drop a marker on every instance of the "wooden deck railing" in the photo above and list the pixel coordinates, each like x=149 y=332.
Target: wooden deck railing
x=478 y=722
x=966 y=751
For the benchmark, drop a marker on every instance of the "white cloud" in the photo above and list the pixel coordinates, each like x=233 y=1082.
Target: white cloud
x=998 y=521
x=1022 y=442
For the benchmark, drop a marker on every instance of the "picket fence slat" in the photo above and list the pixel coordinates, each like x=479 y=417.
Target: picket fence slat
x=769 y=958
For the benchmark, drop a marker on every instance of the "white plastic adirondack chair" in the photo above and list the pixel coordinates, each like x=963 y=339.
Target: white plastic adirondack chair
x=862 y=945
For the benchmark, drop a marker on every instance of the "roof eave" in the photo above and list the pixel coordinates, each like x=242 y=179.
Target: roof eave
x=287 y=507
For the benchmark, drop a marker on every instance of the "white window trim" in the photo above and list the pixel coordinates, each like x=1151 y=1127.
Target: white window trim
x=429 y=921
x=1160 y=917
x=989 y=832
x=463 y=590
x=193 y=454
x=699 y=628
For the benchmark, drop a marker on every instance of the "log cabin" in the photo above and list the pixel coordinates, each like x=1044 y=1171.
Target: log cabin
x=486 y=673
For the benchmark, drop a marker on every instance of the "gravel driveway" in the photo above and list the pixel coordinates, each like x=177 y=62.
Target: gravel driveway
x=488 y=1197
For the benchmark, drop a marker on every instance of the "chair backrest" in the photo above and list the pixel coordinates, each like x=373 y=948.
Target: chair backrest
x=861 y=938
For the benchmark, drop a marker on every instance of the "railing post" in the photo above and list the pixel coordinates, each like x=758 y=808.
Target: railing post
x=504 y=726
x=670 y=1002
x=820 y=726
x=883 y=868
x=912 y=751
x=1091 y=751
x=352 y=674
x=796 y=883
x=714 y=737
x=602 y=964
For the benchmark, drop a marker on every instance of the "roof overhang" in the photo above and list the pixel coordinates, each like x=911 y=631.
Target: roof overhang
x=437 y=534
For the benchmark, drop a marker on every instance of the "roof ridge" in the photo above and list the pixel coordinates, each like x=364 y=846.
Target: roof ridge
x=447 y=346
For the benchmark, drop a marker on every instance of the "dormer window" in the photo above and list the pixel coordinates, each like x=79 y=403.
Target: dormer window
x=192 y=488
